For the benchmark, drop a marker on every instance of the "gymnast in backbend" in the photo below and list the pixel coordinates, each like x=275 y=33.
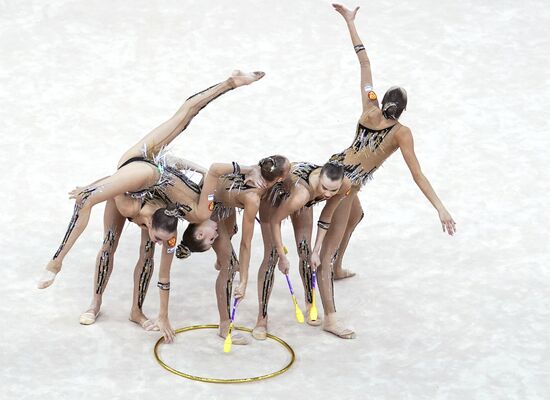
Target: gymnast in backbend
x=229 y=192
x=150 y=190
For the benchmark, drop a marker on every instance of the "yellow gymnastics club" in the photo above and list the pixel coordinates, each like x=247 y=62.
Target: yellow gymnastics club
x=299 y=314
x=313 y=309
x=227 y=342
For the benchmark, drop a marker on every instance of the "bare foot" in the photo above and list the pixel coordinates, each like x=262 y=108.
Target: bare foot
x=260 y=330
x=75 y=193
x=341 y=273
x=49 y=274
x=236 y=338
x=139 y=318
x=89 y=316
x=259 y=333
x=333 y=326
x=240 y=78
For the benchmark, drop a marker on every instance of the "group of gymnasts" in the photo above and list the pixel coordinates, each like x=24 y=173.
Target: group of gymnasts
x=155 y=190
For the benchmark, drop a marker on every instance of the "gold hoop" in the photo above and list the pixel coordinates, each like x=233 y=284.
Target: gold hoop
x=217 y=380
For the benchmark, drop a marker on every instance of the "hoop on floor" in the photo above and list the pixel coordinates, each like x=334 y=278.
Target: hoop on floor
x=218 y=380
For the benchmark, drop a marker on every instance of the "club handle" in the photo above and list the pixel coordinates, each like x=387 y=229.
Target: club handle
x=233 y=311
x=289 y=284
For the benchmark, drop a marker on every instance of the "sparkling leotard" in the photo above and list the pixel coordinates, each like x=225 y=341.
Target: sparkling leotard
x=299 y=173
x=366 y=153
x=167 y=178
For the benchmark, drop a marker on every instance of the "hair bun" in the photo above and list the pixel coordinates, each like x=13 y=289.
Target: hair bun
x=273 y=167
x=171 y=213
x=394 y=102
x=268 y=163
x=389 y=110
x=176 y=210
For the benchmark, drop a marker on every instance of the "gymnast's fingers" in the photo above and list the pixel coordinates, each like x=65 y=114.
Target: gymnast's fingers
x=451 y=228
x=167 y=336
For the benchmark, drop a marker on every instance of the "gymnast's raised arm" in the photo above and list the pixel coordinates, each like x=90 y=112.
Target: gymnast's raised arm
x=367 y=94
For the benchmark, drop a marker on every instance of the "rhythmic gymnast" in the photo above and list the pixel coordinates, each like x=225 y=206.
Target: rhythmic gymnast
x=378 y=135
x=230 y=191
x=307 y=185
x=150 y=190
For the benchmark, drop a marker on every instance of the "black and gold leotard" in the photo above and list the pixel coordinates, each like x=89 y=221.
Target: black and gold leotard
x=302 y=171
x=235 y=183
x=299 y=174
x=366 y=153
x=167 y=178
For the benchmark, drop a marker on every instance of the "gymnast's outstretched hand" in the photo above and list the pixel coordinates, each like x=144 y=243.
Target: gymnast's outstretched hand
x=166 y=329
x=447 y=222
x=347 y=14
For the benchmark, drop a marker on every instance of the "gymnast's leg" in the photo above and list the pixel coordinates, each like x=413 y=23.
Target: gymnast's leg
x=132 y=177
x=142 y=276
x=266 y=273
x=325 y=276
x=302 y=222
x=113 y=223
x=169 y=130
x=229 y=265
x=355 y=216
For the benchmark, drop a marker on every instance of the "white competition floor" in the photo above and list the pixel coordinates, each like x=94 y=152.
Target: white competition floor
x=436 y=317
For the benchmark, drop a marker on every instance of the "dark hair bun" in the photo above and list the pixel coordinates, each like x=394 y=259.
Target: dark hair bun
x=273 y=167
